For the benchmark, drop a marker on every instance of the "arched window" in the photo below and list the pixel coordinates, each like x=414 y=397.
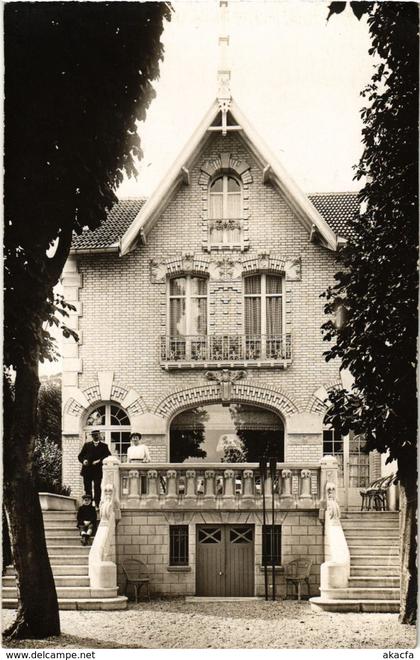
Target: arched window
x=114 y=424
x=225 y=211
x=264 y=325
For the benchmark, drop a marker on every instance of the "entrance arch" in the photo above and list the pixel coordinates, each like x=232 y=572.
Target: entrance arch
x=237 y=433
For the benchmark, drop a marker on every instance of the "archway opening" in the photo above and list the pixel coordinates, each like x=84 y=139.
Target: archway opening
x=238 y=433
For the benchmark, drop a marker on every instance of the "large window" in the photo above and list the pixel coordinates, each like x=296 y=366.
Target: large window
x=114 y=424
x=333 y=446
x=264 y=315
x=225 y=211
x=187 y=306
x=358 y=462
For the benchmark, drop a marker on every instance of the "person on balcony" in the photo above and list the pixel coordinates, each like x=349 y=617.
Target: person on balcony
x=138 y=452
x=91 y=457
x=86 y=519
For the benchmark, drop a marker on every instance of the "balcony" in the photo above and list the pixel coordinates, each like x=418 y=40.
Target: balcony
x=202 y=351
x=232 y=486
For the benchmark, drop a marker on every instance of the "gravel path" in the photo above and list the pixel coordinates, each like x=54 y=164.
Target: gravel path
x=253 y=624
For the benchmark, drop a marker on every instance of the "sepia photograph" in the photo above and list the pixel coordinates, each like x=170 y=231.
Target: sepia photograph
x=210 y=326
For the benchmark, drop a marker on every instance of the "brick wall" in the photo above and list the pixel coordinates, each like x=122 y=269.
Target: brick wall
x=124 y=313
x=145 y=536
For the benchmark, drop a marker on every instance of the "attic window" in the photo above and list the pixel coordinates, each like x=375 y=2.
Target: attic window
x=225 y=212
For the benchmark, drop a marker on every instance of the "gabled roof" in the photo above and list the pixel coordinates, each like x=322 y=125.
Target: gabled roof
x=273 y=171
x=322 y=214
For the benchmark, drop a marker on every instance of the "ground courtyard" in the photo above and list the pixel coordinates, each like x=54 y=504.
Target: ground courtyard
x=173 y=623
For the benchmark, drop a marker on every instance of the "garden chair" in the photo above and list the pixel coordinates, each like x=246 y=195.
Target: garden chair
x=296 y=572
x=376 y=494
x=135 y=572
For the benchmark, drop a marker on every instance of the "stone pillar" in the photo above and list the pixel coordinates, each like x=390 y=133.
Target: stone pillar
x=267 y=484
x=133 y=488
x=229 y=485
x=305 y=485
x=329 y=474
x=209 y=492
x=111 y=475
x=190 y=484
x=171 y=493
x=286 y=491
x=248 y=484
x=152 y=485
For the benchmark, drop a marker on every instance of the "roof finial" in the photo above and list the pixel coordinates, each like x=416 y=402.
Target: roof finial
x=223 y=73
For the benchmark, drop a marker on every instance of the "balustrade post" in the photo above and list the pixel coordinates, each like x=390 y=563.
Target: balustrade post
x=171 y=493
x=305 y=485
x=134 y=482
x=248 y=484
x=229 y=484
x=190 y=484
x=286 y=491
x=152 y=485
x=209 y=491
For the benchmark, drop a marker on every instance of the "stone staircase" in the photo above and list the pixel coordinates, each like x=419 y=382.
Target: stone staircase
x=69 y=563
x=374 y=583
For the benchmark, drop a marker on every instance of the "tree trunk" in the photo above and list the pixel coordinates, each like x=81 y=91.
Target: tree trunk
x=408 y=543
x=37 y=615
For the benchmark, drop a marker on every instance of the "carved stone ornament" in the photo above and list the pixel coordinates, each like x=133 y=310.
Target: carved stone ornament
x=333 y=509
x=225 y=378
x=107 y=504
x=225 y=268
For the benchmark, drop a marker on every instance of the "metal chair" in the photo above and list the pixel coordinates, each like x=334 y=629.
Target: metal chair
x=296 y=572
x=135 y=572
x=376 y=492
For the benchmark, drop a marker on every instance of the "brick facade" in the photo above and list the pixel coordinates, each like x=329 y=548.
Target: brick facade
x=121 y=311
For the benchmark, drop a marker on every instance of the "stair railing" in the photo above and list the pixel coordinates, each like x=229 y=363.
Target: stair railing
x=335 y=570
x=102 y=556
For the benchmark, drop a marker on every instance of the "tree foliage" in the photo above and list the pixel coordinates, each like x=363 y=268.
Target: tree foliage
x=378 y=283
x=49 y=412
x=78 y=76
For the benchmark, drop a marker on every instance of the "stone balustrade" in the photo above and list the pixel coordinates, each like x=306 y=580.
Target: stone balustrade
x=218 y=486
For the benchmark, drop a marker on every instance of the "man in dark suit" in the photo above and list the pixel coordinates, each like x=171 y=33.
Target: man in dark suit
x=91 y=457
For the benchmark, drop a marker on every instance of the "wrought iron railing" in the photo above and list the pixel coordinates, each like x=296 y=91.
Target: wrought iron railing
x=225 y=348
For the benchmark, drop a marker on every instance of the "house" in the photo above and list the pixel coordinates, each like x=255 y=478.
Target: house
x=198 y=312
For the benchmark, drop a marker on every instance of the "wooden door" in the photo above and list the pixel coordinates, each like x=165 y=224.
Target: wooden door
x=225 y=560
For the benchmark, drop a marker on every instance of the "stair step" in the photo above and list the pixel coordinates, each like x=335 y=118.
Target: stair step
x=70 y=592
x=375 y=570
x=60 y=581
x=59 y=515
x=372 y=540
x=117 y=603
x=319 y=604
x=362 y=593
x=63 y=540
x=378 y=582
x=60 y=559
x=65 y=532
x=372 y=560
x=376 y=551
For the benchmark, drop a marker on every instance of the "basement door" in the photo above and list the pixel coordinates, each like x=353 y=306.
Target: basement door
x=225 y=560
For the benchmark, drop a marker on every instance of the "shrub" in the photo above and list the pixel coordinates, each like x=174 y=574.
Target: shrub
x=47 y=467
